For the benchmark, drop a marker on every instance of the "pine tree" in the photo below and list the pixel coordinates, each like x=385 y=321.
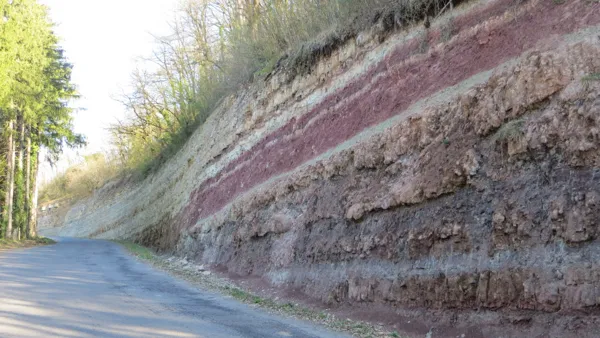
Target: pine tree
x=34 y=109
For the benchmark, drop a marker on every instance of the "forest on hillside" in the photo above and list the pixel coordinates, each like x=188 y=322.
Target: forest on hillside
x=35 y=91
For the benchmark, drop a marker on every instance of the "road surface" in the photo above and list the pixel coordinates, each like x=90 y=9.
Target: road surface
x=88 y=288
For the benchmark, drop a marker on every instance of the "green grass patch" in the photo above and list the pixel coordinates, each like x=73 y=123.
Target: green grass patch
x=357 y=328
x=591 y=78
x=510 y=131
x=44 y=240
x=137 y=250
x=238 y=294
x=6 y=244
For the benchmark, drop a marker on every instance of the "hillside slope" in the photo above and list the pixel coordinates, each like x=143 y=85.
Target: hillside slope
x=445 y=177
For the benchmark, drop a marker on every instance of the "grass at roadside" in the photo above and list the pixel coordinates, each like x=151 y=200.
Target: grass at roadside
x=6 y=244
x=138 y=250
x=206 y=280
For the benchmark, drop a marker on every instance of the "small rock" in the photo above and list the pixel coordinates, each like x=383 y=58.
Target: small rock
x=558 y=274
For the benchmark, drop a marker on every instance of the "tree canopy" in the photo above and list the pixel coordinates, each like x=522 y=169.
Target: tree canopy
x=35 y=91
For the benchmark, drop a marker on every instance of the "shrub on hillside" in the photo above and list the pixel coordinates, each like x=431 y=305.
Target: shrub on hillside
x=219 y=45
x=83 y=179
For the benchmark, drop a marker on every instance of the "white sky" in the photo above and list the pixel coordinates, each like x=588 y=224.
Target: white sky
x=102 y=39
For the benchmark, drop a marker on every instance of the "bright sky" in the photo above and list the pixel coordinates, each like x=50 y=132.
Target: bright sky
x=102 y=39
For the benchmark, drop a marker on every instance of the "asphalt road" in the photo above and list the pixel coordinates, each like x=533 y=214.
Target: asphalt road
x=87 y=288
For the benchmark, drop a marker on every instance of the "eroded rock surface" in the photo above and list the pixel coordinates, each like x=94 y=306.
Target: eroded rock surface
x=457 y=188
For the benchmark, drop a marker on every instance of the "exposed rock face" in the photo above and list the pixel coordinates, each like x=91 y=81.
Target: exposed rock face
x=463 y=182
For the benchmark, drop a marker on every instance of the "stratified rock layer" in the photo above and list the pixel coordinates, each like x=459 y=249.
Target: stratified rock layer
x=461 y=182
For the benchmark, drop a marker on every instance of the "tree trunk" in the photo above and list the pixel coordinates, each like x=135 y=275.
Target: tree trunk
x=19 y=219
x=28 y=185
x=10 y=180
x=6 y=207
x=21 y=142
x=34 y=199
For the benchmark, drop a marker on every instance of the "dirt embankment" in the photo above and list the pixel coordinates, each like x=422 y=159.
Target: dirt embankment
x=445 y=178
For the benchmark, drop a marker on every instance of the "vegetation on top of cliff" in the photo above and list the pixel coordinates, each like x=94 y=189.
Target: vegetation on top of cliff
x=218 y=46
x=82 y=179
x=35 y=89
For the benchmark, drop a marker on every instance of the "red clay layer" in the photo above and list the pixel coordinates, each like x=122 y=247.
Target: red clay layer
x=334 y=123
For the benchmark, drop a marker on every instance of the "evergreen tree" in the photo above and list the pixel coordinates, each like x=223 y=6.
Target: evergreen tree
x=34 y=95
